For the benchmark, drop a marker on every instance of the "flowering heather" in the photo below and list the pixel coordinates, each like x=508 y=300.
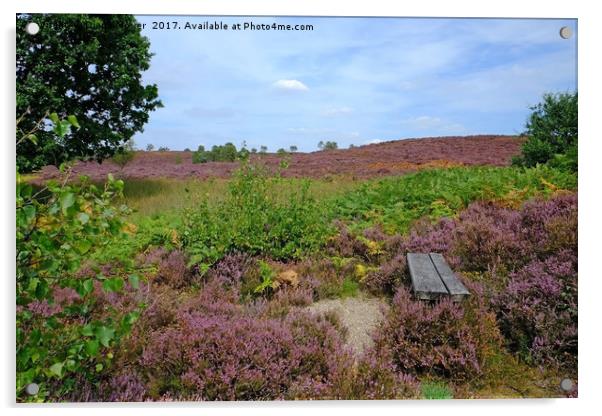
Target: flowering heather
x=43 y=308
x=171 y=266
x=538 y=310
x=388 y=276
x=377 y=377
x=221 y=357
x=527 y=260
x=230 y=270
x=125 y=387
x=346 y=244
x=444 y=339
x=393 y=157
x=287 y=298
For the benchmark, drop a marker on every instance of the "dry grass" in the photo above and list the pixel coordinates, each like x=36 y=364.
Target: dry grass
x=150 y=197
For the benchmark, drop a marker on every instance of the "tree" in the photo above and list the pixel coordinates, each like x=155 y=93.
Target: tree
x=88 y=66
x=125 y=155
x=281 y=151
x=150 y=147
x=327 y=145
x=293 y=149
x=552 y=132
x=263 y=149
x=163 y=149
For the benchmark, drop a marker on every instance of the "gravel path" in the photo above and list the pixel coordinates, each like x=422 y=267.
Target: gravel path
x=360 y=315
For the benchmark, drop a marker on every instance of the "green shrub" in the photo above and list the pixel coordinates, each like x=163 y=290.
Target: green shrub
x=59 y=342
x=254 y=218
x=552 y=130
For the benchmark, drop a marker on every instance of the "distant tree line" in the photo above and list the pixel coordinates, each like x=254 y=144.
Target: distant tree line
x=229 y=153
x=219 y=153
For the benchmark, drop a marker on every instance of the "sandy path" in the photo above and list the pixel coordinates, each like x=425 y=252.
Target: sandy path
x=360 y=315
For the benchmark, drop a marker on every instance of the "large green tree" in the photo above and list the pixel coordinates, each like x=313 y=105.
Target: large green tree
x=552 y=132
x=89 y=66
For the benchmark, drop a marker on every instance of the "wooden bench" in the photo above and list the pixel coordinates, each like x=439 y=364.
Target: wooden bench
x=432 y=277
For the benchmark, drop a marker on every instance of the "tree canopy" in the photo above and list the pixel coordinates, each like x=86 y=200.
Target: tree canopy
x=552 y=132
x=89 y=66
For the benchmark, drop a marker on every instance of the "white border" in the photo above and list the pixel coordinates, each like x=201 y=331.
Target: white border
x=589 y=218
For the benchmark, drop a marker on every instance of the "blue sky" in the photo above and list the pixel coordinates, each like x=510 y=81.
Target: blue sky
x=351 y=80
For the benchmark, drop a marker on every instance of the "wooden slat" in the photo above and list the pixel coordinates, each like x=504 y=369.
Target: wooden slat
x=425 y=278
x=455 y=288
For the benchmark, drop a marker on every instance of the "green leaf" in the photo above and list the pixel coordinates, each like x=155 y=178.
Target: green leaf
x=82 y=246
x=92 y=347
x=56 y=369
x=32 y=138
x=29 y=212
x=88 y=285
x=134 y=281
x=54 y=117
x=104 y=335
x=61 y=128
x=33 y=284
x=73 y=121
x=114 y=284
x=88 y=330
x=67 y=201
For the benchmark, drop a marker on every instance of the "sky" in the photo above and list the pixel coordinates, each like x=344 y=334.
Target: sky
x=350 y=80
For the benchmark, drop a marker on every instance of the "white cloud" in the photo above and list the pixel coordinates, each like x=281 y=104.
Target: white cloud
x=290 y=85
x=337 y=111
x=435 y=124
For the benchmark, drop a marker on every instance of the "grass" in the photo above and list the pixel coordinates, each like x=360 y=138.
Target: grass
x=435 y=391
x=149 y=197
x=350 y=288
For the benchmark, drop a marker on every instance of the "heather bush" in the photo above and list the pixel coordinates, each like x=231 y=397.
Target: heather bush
x=330 y=277
x=345 y=243
x=538 y=310
x=445 y=339
x=231 y=270
x=387 y=277
x=217 y=356
x=171 y=267
x=526 y=260
x=377 y=378
x=489 y=238
x=287 y=298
